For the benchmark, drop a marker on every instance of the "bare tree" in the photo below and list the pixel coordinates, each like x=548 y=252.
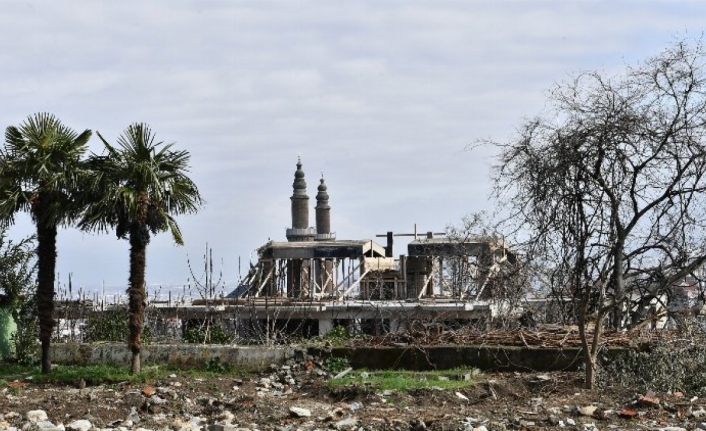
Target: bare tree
x=493 y=272
x=608 y=186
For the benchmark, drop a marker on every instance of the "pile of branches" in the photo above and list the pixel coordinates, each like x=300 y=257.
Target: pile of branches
x=551 y=336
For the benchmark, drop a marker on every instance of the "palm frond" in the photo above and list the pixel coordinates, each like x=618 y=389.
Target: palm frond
x=42 y=157
x=141 y=182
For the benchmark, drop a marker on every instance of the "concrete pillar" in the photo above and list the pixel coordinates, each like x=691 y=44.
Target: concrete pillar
x=418 y=268
x=389 y=246
x=294 y=278
x=396 y=325
x=485 y=261
x=325 y=326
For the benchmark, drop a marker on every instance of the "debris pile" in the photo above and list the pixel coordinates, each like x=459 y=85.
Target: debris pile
x=555 y=336
x=297 y=396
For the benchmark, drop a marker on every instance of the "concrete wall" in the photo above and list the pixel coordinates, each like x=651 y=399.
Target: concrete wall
x=183 y=355
x=256 y=358
x=487 y=358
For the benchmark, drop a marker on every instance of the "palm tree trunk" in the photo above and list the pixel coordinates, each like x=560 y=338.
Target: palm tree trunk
x=46 y=262
x=139 y=238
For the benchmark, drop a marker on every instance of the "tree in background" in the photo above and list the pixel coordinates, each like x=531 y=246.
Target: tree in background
x=17 y=292
x=40 y=173
x=608 y=187
x=137 y=189
x=495 y=273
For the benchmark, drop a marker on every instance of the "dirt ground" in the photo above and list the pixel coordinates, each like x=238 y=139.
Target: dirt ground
x=297 y=396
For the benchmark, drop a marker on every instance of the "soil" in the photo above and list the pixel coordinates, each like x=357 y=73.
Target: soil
x=264 y=401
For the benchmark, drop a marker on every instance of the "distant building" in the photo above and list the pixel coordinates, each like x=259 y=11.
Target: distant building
x=314 y=265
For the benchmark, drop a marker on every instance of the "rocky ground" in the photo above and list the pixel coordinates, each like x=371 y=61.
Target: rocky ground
x=296 y=396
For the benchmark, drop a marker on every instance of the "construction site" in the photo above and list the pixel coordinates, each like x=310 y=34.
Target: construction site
x=313 y=281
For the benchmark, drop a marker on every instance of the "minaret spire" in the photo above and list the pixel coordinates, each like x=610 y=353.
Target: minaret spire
x=323 y=213
x=300 y=230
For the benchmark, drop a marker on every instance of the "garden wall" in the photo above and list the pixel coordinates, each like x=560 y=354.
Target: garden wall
x=500 y=358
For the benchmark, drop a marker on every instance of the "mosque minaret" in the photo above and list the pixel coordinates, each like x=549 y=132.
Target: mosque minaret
x=300 y=230
x=323 y=214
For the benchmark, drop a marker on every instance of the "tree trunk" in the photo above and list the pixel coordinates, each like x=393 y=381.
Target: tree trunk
x=46 y=263
x=139 y=237
x=135 y=363
x=590 y=372
x=591 y=348
x=587 y=357
x=618 y=285
x=595 y=348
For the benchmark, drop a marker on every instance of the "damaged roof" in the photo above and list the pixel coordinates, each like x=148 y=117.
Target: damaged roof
x=338 y=249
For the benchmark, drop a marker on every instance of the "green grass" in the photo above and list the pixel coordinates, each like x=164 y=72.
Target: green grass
x=99 y=374
x=8 y=369
x=408 y=380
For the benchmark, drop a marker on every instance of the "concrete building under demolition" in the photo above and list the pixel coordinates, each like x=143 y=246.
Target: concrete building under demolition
x=316 y=281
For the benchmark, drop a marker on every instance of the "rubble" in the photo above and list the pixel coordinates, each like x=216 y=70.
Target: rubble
x=37 y=416
x=79 y=425
x=297 y=396
x=587 y=410
x=300 y=412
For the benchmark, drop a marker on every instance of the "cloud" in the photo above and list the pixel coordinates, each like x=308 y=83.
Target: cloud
x=381 y=96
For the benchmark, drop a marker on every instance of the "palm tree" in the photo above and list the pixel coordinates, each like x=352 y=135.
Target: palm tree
x=40 y=170
x=137 y=189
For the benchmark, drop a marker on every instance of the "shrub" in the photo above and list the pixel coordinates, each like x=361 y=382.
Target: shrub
x=26 y=337
x=17 y=291
x=111 y=326
x=338 y=334
x=336 y=364
x=207 y=333
x=661 y=366
x=216 y=366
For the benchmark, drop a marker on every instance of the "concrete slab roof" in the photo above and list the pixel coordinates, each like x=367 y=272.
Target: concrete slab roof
x=340 y=249
x=457 y=246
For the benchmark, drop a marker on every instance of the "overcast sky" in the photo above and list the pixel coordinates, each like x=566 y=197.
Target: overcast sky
x=382 y=97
